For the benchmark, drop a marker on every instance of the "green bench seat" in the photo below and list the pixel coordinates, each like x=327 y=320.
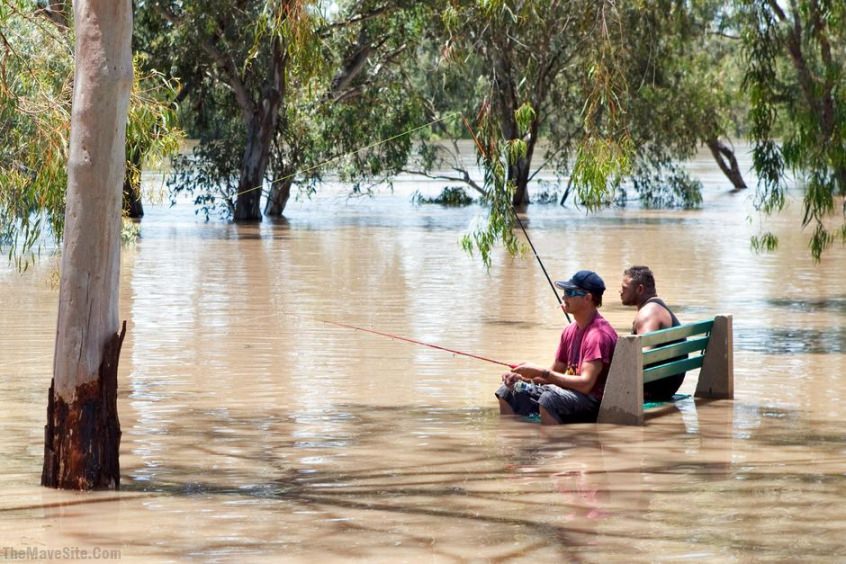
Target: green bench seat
x=709 y=346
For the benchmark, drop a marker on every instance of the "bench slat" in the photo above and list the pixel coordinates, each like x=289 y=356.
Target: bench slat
x=671 y=368
x=677 y=349
x=674 y=333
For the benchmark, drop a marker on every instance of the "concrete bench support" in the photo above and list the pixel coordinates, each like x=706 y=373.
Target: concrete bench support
x=716 y=378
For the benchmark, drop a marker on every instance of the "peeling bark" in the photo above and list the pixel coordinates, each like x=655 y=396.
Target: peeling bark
x=82 y=434
x=82 y=438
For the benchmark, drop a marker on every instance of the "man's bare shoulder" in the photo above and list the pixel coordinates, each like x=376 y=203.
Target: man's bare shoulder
x=652 y=317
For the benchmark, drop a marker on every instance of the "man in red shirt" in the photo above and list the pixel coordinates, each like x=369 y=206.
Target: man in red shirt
x=571 y=389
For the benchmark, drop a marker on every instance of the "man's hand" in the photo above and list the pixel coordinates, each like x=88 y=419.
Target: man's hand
x=532 y=373
x=509 y=378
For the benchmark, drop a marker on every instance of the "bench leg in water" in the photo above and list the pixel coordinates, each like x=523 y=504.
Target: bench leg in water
x=716 y=377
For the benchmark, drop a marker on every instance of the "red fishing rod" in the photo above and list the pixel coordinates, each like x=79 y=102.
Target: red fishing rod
x=430 y=345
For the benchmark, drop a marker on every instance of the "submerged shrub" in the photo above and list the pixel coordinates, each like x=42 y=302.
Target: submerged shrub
x=450 y=196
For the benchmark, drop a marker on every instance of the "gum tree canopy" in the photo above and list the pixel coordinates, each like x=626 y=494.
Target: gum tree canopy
x=82 y=435
x=794 y=78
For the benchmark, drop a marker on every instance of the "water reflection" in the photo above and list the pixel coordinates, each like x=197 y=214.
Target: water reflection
x=778 y=341
x=805 y=305
x=253 y=429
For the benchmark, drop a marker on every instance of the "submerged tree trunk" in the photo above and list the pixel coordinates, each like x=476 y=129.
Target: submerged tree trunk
x=280 y=192
x=82 y=435
x=254 y=164
x=261 y=127
x=132 y=205
x=727 y=162
x=522 y=171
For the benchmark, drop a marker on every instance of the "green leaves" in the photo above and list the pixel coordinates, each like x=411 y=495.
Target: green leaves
x=600 y=166
x=766 y=242
x=35 y=103
x=35 y=71
x=524 y=116
x=795 y=87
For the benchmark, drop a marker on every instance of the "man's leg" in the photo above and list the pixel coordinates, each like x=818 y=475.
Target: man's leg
x=558 y=405
x=504 y=407
x=547 y=418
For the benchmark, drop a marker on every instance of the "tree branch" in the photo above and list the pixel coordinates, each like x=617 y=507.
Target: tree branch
x=227 y=67
x=465 y=178
x=356 y=90
x=56 y=11
x=358 y=18
x=773 y=4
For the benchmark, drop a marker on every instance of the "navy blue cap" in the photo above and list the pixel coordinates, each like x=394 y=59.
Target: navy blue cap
x=583 y=280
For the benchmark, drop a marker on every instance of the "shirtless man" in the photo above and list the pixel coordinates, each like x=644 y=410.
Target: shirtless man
x=638 y=289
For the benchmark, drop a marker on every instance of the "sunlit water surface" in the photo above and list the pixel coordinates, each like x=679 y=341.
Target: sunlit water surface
x=253 y=430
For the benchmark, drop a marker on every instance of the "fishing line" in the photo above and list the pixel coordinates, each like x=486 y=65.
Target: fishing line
x=520 y=223
x=540 y=262
x=389 y=335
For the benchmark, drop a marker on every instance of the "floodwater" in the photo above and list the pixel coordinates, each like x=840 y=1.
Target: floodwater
x=254 y=431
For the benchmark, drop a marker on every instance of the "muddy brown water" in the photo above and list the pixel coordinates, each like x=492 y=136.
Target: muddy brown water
x=253 y=431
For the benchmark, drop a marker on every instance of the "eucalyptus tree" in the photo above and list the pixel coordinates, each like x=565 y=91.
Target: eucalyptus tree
x=35 y=105
x=152 y=132
x=681 y=65
x=82 y=435
x=513 y=55
x=663 y=62
x=249 y=47
x=310 y=83
x=599 y=81
x=35 y=90
x=796 y=58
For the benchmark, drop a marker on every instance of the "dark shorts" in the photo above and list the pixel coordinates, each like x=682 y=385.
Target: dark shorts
x=566 y=406
x=663 y=389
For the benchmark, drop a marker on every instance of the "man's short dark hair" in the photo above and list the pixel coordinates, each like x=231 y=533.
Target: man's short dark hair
x=641 y=275
x=597 y=298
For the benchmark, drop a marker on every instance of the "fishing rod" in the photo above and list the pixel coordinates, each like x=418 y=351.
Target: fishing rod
x=540 y=262
x=389 y=335
x=519 y=222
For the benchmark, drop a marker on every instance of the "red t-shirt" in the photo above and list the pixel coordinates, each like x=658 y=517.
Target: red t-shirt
x=595 y=342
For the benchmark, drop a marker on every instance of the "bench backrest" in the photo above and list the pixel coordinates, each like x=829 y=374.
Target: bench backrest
x=665 y=345
x=622 y=402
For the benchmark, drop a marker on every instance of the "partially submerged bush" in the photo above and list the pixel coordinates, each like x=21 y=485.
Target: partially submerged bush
x=450 y=196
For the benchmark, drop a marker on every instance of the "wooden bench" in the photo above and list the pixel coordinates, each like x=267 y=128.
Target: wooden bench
x=622 y=402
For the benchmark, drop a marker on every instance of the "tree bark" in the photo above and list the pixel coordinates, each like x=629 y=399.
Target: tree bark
x=82 y=434
x=132 y=205
x=727 y=162
x=254 y=162
x=280 y=192
x=260 y=131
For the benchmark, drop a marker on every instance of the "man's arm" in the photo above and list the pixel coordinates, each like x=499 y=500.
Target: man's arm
x=583 y=382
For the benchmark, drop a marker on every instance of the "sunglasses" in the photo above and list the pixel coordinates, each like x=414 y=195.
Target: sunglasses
x=571 y=293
